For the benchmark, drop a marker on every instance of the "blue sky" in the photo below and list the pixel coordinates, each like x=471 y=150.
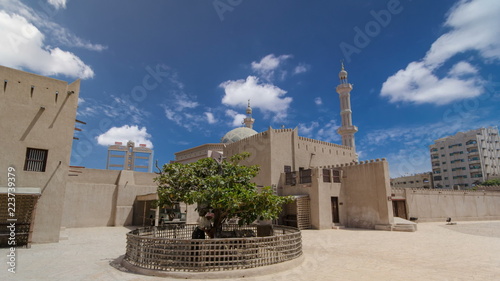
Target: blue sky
x=177 y=74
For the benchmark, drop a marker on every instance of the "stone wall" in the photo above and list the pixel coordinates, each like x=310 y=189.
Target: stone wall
x=38 y=112
x=367 y=194
x=439 y=204
x=104 y=197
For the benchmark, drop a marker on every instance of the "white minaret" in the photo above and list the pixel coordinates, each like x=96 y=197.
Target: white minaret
x=249 y=120
x=347 y=130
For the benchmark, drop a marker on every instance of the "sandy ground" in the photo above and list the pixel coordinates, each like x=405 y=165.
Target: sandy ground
x=466 y=251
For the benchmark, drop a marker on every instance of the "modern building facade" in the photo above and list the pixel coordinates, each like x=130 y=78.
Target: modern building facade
x=466 y=159
x=422 y=180
x=130 y=157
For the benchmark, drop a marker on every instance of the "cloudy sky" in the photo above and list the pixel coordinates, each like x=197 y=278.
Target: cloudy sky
x=176 y=74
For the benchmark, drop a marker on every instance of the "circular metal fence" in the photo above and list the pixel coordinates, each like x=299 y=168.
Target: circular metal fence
x=170 y=248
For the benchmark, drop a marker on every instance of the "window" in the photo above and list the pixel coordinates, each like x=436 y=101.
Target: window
x=326 y=175
x=305 y=176
x=336 y=175
x=288 y=169
x=36 y=160
x=290 y=178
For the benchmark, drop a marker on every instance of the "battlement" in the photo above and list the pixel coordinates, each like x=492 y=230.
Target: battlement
x=282 y=130
x=325 y=143
x=353 y=163
x=441 y=191
x=27 y=87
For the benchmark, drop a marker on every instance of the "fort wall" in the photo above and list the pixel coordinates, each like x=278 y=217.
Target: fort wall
x=104 y=197
x=440 y=204
x=366 y=192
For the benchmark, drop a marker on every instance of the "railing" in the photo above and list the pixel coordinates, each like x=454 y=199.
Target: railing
x=171 y=248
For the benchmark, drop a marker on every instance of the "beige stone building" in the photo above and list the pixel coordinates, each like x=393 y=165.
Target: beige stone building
x=37 y=124
x=37 y=121
x=310 y=170
x=422 y=180
x=466 y=159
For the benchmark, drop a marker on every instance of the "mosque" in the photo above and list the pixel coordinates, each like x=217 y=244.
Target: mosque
x=331 y=188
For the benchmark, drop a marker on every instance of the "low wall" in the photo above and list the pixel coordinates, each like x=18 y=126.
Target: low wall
x=172 y=249
x=438 y=205
x=104 y=197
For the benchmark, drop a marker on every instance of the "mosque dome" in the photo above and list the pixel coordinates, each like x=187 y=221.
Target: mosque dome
x=238 y=134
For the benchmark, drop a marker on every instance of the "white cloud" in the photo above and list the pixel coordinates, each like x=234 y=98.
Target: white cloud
x=24 y=47
x=41 y=19
x=418 y=84
x=179 y=109
x=124 y=134
x=24 y=38
x=117 y=109
x=58 y=3
x=320 y=131
x=462 y=68
x=210 y=118
x=237 y=118
x=266 y=97
x=307 y=130
x=328 y=132
x=474 y=26
x=268 y=65
x=301 y=68
x=318 y=101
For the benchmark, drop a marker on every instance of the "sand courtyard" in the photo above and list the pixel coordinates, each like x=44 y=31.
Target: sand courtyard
x=465 y=251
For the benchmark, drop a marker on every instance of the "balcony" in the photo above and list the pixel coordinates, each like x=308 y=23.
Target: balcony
x=476 y=175
x=474 y=160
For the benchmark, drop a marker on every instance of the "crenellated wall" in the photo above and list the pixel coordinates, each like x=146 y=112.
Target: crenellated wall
x=274 y=149
x=367 y=194
x=363 y=195
x=440 y=204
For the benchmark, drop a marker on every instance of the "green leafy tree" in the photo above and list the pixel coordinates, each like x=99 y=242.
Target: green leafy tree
x=492 y=182
x=225 y=187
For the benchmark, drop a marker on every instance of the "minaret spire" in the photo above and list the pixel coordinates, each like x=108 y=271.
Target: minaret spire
x=249 y=120
x=347 y=130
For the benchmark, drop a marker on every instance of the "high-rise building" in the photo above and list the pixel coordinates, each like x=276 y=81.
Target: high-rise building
x=466 y=159
x=130 y=157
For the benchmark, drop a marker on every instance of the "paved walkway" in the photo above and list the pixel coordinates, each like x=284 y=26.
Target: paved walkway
x=466 y=251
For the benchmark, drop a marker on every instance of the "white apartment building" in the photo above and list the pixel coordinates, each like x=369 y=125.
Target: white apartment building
x=466 y=159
